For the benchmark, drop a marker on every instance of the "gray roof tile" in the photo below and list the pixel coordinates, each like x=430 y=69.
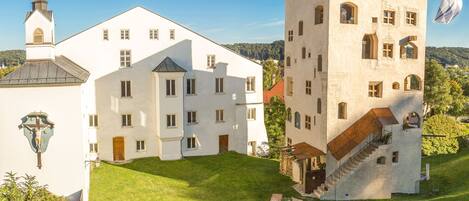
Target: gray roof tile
x=169 y=66
x=61 y=71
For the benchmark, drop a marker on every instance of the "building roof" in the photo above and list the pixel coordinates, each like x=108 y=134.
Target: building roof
x=169 y=66
x=61 y=71
x=303 y=151
x=46 y=13
x=277 y=90
x=372 y=122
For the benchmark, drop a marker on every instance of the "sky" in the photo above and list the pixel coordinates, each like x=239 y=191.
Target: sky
x=224 y=21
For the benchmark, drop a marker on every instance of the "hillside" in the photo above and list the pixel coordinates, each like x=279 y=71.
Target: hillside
x=12 y=57
x=263 y=51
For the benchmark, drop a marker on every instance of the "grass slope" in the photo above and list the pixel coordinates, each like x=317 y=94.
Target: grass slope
x=449 y=174
x=228 y=177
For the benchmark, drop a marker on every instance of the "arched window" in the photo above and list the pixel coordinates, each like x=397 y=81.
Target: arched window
x=38 y=36
x=300 y=28
x=413 y=83
x=381 y=160
x=348 y=13
x=342 y=110
x=297 y=120
x=370 y=46
x=412 y=120
x=319 y=106
x=396 y=86
x=319 y=15
x=409 y=51
x=288 y=61
x=289 y=115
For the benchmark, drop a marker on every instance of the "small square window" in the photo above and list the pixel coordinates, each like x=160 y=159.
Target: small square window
x=411 y=18
x=154 y=34
x=172 y=34
x=375 y=89
x=211 y=61
x=395 y=157
x=389 y=17
x=388 y=50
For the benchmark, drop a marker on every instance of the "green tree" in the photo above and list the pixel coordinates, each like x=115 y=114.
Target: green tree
x=442 y=125
x=275 y=113
x=29 y=189
x=458 y=100
x=6 y=71
x=272 y=73
x=437 y=96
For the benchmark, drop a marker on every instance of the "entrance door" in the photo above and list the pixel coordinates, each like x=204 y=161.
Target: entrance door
x=223 y=143
x=118 y=148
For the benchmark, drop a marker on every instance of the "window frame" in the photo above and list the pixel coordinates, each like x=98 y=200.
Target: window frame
x=307 y=122
x=38 y=36
x=125 y=34
x=251 y=114
x=220 y=116
x=94 y=148
x=126 y=89
x=319 y=15
x=154 y=34
x=192 y=117
x=141 y=146
x=125 y=58
x=171 y=88
x=375 y=89
x=411 y=18
x=219 y=85
x=191 y=143
x=342 y=110
x=191 y=87
x=251 y=84
x=171 y=121
x=106 y=34
x=211 y=61
x=172 y=34
x=308 y=87
x=388 y=50
x=389 y=17
x=126 y=120
x=93 y=121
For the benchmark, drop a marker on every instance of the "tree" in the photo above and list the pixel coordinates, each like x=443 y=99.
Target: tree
x=6 y=71
x=272 y=74
x=29 y=189
x=446 y=126
x=275 y=113
x=437 y=96
x=458 y=100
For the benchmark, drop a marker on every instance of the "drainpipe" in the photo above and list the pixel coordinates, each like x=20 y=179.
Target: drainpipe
x=181 y=142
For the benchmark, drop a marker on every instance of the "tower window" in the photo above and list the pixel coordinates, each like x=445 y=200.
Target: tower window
x=288 y=61
x=300 y=28
x=289 y=115
x=289 y=86
x=413 y=83
x=375 y=89
x=170 y=87
x=370 y=46
x=342 y=110
x=411 y=18
x=319 y=15
x=308 y=122
x=126 y=89
x=348 y=13
x=320 y=63
x=171 y=121
x=396 y=86
x=395 y=157
x=388 y=50
x=303 y=53
x=38 y=36
x=319 y=106
x=297 y=120
x=389 y=17
x=381 y=160
x=290 y=35
x=190 y=90
x=409 y=51
x=308 y=87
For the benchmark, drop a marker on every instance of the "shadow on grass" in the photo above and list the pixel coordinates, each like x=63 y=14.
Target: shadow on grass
x=230 y=176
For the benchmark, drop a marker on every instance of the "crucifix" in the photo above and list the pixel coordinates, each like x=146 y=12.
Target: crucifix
x=37 y=129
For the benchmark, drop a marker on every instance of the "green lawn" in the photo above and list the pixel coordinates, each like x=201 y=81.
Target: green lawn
x=449 y=175
x=232 y=177
x=228 y=177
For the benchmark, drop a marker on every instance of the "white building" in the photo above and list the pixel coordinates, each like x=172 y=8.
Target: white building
x=137 y=85
x=354 y=92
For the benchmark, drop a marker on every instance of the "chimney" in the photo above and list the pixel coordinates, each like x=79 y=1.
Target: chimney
x=39 y=5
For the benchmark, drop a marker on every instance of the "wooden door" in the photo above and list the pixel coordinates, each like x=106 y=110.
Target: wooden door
x=118 y=148
x=223 y=143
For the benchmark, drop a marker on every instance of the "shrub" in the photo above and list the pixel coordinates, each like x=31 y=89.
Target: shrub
x=442 y=125
x=13 y=189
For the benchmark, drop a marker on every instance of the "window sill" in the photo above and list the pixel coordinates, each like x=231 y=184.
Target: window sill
x=250 y=92
x=171 y=96
x=220 y=93
x=191 y=94
x=193 y=149
x=220 y=122
x=125 y=67
x=251 y=119
x=142 y=151
x=127 y=97
x=172 y=127
x=127 y=127
x=193 y=124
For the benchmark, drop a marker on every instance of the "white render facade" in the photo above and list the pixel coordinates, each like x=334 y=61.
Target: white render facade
x=148 y=103
x=356 y=63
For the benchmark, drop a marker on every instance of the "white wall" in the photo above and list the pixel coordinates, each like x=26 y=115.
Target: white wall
x=64 y=161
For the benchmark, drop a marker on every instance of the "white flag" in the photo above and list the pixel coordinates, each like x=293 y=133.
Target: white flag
x=449 y=9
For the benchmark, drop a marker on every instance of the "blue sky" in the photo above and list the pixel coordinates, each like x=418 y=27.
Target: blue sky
x=225 y=21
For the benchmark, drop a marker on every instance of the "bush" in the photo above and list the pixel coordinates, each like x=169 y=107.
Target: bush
x=442 y=125
x=26 y=190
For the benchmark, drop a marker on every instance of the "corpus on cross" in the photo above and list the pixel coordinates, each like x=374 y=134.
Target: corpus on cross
x=37 y=130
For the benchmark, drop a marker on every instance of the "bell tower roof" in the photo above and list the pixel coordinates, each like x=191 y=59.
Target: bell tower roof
x=41 y=6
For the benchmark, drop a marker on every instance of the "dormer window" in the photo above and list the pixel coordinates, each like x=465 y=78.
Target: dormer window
x=38 y=36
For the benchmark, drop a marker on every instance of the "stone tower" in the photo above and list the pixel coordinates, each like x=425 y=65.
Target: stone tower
x=354 y=80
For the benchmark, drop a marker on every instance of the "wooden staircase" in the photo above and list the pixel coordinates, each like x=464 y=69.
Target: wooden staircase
x=352 y=164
